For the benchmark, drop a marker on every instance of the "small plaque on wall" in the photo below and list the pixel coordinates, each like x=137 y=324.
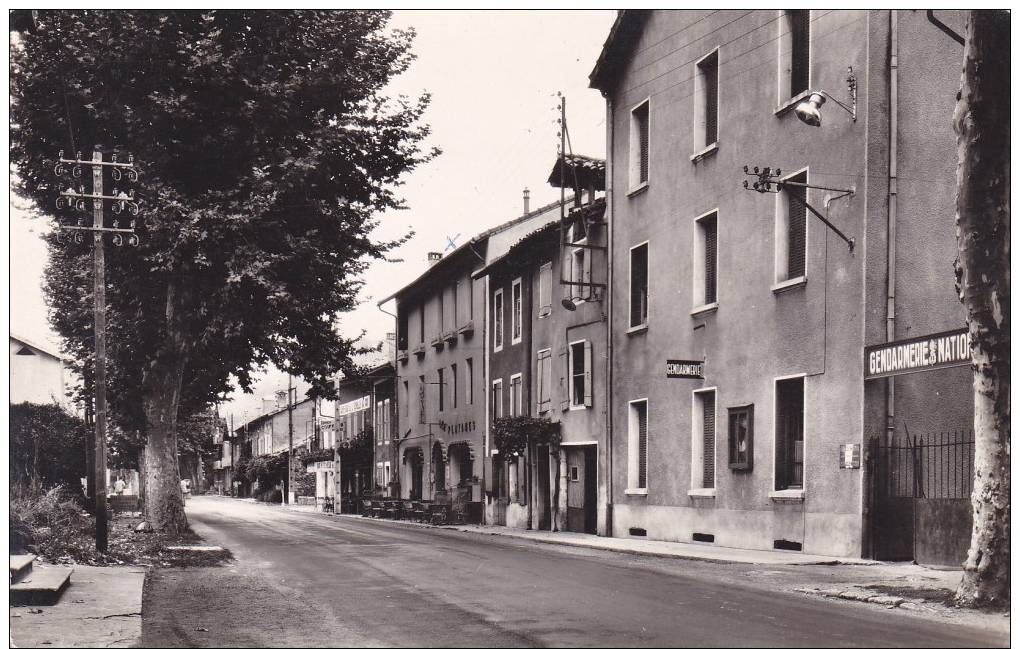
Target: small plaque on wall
x=849 y=456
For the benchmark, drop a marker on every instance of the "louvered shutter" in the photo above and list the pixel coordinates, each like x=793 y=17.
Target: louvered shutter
x=564 y=380
x=638 y=285
x=800 y=39
x=710 y=68
x=711 y=225
x=642 y=417
x=586 y=265
x=708 y=443
x=797 y=227
x=587 y=374
x=642 y=119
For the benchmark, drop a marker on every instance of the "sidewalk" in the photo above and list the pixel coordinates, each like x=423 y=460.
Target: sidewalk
x=101 y=608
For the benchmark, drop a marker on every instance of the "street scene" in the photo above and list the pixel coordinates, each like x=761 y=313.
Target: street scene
x=510 y=328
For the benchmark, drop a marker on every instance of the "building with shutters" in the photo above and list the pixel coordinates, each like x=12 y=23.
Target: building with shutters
x=366 y=422
x=548 y=360
x=442 y=427
x=739 y=319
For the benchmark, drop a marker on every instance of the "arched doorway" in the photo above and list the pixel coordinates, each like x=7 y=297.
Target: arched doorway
x=438 y=468
x=415 y=461
x=461 y=464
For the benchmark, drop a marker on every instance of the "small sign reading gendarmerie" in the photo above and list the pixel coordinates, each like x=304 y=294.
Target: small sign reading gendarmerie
x=685 y=369
x=932 y=352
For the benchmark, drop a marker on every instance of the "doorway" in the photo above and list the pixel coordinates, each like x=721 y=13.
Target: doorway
x=582 y=489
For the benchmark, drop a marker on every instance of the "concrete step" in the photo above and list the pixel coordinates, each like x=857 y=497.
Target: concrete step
x=42 y=586
x=21 y=566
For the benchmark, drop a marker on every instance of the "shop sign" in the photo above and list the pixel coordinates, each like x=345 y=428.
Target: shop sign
x=685 y=369
x=921 y=354
x=353 y=406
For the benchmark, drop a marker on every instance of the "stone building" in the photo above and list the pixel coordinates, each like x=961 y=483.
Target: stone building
x=739 y=320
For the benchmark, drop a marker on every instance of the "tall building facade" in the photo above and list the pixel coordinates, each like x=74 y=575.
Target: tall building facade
x=741 y=397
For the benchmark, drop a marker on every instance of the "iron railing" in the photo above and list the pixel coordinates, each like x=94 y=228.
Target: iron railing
x=931 y=466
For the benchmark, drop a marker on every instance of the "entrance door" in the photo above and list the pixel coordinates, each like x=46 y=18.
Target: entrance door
x=544 y=509
x=417 y=476
x=590 y=489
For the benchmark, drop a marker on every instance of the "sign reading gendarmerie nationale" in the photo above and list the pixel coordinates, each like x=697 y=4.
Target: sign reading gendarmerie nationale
x=685 y=369
x=932 y=352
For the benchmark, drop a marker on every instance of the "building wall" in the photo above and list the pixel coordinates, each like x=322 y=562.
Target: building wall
x=756 y=334
x=36 y=378
x=421 y=424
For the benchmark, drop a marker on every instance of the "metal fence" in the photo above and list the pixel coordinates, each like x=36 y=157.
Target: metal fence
x=930 y=466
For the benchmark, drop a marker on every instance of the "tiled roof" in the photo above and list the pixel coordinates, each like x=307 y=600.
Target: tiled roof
x=616 y=51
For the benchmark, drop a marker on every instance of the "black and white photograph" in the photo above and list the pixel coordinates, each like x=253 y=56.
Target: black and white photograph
x=494 y=327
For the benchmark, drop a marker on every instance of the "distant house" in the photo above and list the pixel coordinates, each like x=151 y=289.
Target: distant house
x=37 y=373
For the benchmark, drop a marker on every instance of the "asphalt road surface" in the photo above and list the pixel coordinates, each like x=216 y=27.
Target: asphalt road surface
x=304 y=579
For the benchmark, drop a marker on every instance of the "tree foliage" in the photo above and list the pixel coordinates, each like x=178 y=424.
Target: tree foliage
x=267 y=149
x=513 y=435
x=47 y=447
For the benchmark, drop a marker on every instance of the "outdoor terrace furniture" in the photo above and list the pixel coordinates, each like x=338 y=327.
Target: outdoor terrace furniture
x=406 y=509
x=439 y=514
x=391 y=509
x=366 y=507
x=419 y=511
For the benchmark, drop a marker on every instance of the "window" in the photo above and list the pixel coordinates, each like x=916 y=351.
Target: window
x=442 y=390
x=545 y=290
x=790 y=433
x=453 y=383
x=544 y=376
x=497 y=398
x=469 y=382
x=387 y=428
x=580 y=374
x=639 y=285
x=516 y=400
x=706 y=259
x=441 y=313
x=515 y=311
x=402 y=331
x=579 y=262
x=386 y=473
x=791 y=229
x=794 y=53
x=497 y=320
x=742 y=437
x=421 y=323
x=407 y=398
x=639 y=126
x=421 y=399
x=706 y=102
x=703 y=440
x=637 y=447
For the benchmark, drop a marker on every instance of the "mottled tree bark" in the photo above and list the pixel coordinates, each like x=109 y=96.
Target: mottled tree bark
x=982 y=125
x=164 y=501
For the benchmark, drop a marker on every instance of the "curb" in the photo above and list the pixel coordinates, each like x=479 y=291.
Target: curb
x=889 y=601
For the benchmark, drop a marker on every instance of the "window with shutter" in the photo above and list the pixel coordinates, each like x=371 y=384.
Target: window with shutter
x=796 y=228
x=453 y=384
x=497 y=398
x=545 y=290
x=707 y=90
x=469 y=382
x=706 y=260
x=639 y=285
x=708 y=440
x=587 y=374
x=642 y=423
x=577 y=374
x=800 y=50
x=497 y=320
x=515 y=311
x=790 y=433
x=639 y=140
x=544 y=378
x=442 y=391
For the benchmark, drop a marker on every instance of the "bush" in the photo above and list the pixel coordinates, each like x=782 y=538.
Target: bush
x=50 y=524
x=47 y=448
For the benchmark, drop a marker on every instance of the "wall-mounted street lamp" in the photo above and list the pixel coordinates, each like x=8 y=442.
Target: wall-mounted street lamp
x=809 y=111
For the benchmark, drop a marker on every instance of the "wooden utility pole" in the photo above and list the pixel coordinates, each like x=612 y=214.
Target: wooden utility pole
x=99 y=308
x=982 y=122
x=290 y=438
x=79 y=200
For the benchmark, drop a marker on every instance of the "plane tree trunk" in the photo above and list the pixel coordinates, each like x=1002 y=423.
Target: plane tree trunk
x=982 y=125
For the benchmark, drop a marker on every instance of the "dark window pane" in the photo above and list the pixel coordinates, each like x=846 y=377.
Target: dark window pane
x=800 y=37
x=710 y=224
x=642 y=418
x=708 y=443
x=790 y=434
x=710 y=74
x=639 y=285
x=797 y=227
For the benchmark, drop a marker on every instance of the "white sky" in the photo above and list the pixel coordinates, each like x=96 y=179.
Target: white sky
x=493 y=76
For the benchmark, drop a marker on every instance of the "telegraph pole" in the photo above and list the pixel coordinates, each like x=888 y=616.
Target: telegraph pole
x=78 y=200
x=290 y=437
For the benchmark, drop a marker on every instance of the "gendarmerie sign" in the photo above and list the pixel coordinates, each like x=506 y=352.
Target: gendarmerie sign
x=921 y=354
x=685 y=369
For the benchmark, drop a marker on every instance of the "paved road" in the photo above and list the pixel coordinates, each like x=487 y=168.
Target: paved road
x=305 y=579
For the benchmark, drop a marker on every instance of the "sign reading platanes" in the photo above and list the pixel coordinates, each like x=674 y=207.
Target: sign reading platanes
x=932 y=352
x=685 y=369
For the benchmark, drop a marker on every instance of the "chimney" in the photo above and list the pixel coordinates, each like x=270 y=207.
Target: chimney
x=390 y=347
x=281 y=399
x=434 y=257
x=527 y=200
x=268 y=406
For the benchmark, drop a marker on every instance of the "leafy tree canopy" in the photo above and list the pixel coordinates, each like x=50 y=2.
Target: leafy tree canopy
x=266 y=147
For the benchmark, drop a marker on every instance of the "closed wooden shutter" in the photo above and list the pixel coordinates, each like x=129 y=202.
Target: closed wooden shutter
x=797 y=227
x=710 y=71
x=586 y=292
x=587 y=373
x=800 y=40
x=638 y=285
x=642 y=125
x=708 y=443
x=710 y=224
x=642 y=421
